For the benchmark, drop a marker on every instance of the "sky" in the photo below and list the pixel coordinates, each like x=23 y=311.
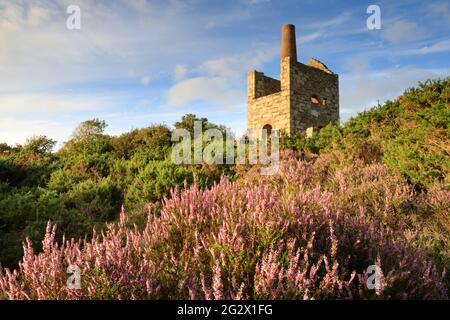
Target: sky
x=135 y=63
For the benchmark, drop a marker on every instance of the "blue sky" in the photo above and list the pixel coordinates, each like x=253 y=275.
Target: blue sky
x=136 y=62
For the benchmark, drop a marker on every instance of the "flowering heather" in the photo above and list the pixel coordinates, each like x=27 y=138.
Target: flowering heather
x=306 y=233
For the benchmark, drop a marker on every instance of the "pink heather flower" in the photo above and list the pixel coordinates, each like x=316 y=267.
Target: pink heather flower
x=289 y=236
x=217 y=284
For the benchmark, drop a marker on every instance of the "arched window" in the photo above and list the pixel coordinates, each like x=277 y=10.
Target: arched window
x=314 y=99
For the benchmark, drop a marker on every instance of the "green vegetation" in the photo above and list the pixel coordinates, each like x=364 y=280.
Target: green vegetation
x=410 y=135
x=85 y=183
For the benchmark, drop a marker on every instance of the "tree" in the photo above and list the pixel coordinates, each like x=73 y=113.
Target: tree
x=153 y=140
x=5 y=148
x=89 y=129
x=88 y=138
x=188 y=120
x=40 y=144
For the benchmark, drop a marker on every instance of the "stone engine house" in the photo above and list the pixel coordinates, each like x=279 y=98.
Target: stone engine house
x=306 y=98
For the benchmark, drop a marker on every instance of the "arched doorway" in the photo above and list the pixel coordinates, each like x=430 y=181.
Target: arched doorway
x=268 y=129
x=267 y=138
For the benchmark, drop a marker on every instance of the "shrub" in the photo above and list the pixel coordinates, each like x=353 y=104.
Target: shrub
x=285 y=237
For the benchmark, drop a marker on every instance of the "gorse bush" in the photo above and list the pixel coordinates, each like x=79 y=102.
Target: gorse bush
x=157 y=178
x=410 y=135
x=83 y=184
x=281 y=237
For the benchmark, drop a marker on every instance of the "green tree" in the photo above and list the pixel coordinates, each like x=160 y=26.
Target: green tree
x=5 y=148
x=88 y=138
x=154 y=141
x=39 y=144
x=89 y=129
x=188 y=121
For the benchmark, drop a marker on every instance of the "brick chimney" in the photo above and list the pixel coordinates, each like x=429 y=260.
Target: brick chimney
x=288 y=43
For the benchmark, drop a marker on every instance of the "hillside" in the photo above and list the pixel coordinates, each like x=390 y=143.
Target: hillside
x=410 y=135
x=376 y=192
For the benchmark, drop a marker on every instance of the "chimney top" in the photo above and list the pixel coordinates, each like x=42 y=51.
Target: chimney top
x=288 y=42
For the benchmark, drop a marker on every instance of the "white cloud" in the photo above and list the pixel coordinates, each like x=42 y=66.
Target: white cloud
x=16 y=130
x=180 y=72
x=402 y=31
x=115 y=36
x=37 y=15
x=440 y=46
x=221 y=80
x=308 y=38
x=236 y=66
x=362 y=90
x=331 y=23
x=145 y=80
x=358 y=64
x=215 y=90
x=54 y=103
x=442 y=11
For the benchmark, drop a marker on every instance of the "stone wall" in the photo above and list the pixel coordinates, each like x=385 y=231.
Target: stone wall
x=309 y=82
x=286 y=103
x=262 y=85
x=267 y=104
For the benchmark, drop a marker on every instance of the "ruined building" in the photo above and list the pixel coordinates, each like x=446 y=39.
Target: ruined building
x=306 y=97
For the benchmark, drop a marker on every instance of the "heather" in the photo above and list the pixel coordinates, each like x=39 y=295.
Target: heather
x=372 y=191
x=281 y=237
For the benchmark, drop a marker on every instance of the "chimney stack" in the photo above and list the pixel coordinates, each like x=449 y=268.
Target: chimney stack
x=288 y=43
